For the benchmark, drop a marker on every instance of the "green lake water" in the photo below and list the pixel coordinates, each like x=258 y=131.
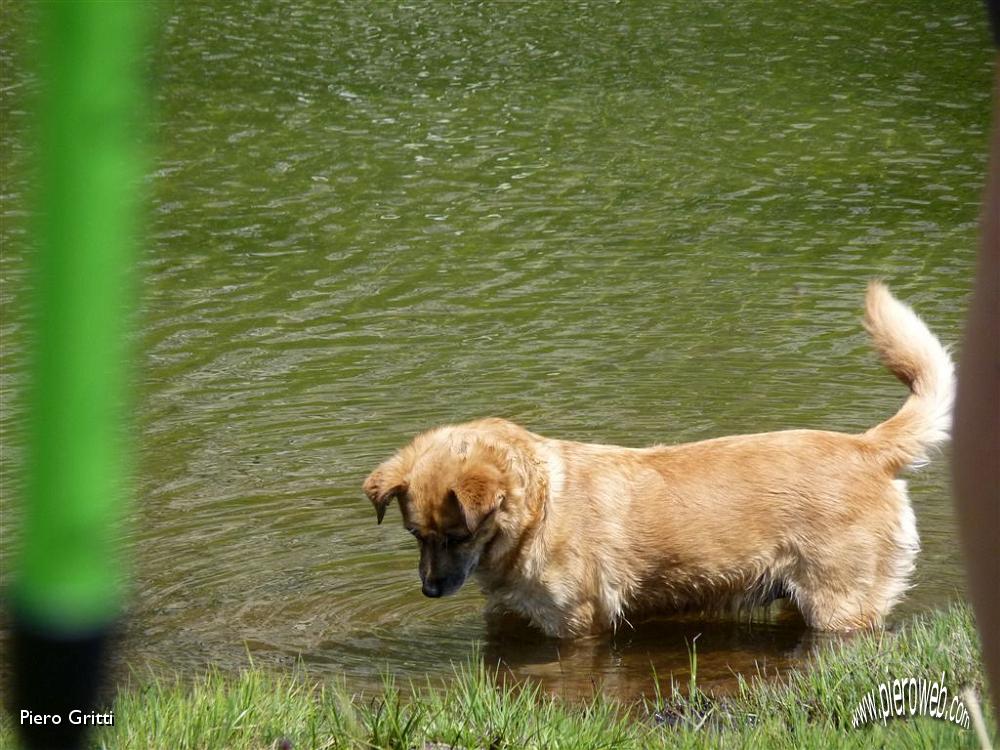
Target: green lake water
x=615 y=222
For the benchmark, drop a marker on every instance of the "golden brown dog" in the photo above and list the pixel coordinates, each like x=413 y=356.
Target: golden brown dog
x=576 y=537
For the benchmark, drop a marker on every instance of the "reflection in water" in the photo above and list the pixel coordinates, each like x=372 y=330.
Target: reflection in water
x=631 y=662
x=628 y=223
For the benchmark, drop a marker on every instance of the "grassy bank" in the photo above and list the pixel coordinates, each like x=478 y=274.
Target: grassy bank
x=810 y=709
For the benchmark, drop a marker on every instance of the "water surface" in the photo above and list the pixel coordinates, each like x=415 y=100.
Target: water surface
x=627 y=223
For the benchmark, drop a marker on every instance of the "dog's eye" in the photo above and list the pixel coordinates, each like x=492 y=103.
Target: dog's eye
x=458 y=538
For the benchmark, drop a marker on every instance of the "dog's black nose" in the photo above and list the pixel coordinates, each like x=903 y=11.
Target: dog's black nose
x=432 y=589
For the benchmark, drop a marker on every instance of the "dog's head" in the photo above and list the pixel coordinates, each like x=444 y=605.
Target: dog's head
x=448 y=493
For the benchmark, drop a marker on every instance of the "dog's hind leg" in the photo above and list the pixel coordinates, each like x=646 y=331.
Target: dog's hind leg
x=828 y=608
x=856 y=579
x=897 y=552
x=841 y=591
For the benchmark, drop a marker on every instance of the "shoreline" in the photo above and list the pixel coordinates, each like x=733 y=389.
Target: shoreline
x=816 y=706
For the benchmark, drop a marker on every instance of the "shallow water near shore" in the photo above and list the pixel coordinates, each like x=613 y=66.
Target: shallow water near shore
x=613 y=223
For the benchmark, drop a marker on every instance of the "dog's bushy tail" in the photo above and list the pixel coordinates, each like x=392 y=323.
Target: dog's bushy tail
x=916 y=357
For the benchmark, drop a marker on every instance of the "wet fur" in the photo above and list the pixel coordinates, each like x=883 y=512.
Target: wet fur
x=576 y=537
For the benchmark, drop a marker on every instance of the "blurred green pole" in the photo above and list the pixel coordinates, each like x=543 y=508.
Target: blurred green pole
x=68 y=582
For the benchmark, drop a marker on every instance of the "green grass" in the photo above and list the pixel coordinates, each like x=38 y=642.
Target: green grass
x=811 y=708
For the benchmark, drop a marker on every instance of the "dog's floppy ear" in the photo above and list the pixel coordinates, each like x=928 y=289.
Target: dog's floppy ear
x=479 y=493
x=385 y=483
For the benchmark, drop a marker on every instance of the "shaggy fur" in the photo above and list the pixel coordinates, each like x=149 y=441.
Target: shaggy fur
x=576 y=537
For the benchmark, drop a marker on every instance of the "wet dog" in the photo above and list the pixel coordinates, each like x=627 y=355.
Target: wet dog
x=576 y=537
